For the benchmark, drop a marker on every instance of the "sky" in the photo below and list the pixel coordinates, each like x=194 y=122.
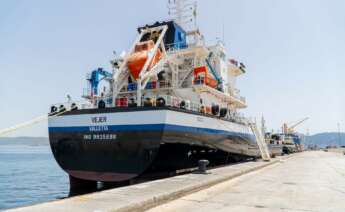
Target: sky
x=294 y=52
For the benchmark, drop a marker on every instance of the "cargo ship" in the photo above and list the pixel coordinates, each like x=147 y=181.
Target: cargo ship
x=285 y=142
x=168 y=102
x=281 y=143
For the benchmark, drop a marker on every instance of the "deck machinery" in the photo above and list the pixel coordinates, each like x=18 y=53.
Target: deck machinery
x=170 y=101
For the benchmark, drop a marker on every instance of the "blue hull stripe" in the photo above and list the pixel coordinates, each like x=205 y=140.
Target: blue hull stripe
x=151 y=127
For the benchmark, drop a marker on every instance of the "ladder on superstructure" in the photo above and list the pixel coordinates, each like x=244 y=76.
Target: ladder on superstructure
x=265 y=154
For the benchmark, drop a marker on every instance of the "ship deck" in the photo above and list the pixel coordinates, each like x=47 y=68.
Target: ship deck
x=134 y=109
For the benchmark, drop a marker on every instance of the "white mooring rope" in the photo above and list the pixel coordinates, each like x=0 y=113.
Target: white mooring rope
x=24 y=124
x=29 y=123
x=37 y=119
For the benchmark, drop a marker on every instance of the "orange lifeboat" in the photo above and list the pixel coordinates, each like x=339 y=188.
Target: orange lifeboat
x=138 y=59
x=202 y=76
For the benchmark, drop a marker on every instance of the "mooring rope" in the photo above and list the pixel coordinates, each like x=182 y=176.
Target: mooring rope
x=30 y=123
x=24 y=124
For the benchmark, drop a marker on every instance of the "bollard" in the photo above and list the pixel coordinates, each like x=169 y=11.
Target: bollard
x=202 y=166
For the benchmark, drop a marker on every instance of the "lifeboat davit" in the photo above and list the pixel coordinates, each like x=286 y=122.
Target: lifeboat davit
x=137 y=60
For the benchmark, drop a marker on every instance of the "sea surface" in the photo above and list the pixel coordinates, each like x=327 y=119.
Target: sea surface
x=29 y=173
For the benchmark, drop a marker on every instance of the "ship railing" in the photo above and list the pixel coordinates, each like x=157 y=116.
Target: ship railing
x=173 y=47
x=148 y=101
x=88 y=76
x=87 y=92
x=243 y=119
x=243 y=99
x=158 y=101
x=181 y=103
x=154 y=84
x=176 y=102
x=236 y=94
x=235 y=91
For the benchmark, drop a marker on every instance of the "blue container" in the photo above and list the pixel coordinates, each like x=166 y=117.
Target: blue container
x=109 y=101
x=132 y=86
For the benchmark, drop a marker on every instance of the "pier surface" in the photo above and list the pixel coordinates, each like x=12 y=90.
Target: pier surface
x=308 y=181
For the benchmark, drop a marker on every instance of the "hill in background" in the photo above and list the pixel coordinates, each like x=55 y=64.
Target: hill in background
x=325 y=139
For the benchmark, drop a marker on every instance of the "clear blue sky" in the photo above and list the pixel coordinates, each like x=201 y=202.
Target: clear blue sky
x=294 y=51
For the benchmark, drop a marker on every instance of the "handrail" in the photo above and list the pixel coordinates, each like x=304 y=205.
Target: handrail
x=155 y=84
x=170 y=101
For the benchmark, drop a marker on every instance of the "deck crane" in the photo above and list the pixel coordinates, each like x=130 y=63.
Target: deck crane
x=289 y=130
x=95 y=79
x=214 y=72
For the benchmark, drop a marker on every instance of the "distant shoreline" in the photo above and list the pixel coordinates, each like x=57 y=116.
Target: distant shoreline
x=321 y=140
x=24 y=141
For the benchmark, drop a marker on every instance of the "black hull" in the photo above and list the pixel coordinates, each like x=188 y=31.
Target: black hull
x=119 y=160
x=134 y=152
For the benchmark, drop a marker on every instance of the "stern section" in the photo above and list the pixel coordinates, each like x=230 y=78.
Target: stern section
x=114 y=146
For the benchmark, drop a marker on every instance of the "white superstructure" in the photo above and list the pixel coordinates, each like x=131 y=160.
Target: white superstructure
x=187 y=68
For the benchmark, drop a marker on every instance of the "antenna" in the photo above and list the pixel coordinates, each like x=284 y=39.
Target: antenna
x=183 y=12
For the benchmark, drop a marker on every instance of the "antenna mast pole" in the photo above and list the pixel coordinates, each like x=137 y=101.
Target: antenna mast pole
x=179 y=11
x=183 y=12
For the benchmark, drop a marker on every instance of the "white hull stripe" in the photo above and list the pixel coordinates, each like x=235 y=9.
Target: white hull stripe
x=148 y=119
x=151 y=127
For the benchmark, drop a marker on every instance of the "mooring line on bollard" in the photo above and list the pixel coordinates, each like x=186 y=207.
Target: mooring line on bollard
x=30 y=123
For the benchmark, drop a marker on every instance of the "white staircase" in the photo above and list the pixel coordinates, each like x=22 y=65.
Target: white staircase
x=265 y=154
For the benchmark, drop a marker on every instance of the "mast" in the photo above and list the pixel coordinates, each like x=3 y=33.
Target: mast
x=184 y=13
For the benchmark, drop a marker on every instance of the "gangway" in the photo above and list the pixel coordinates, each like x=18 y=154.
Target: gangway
x=265 y=154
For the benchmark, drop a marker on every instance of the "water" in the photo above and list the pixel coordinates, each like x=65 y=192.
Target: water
x=29 y=174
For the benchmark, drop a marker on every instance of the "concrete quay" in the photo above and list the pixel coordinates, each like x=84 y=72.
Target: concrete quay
x=144 y=196
x=308 y=182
